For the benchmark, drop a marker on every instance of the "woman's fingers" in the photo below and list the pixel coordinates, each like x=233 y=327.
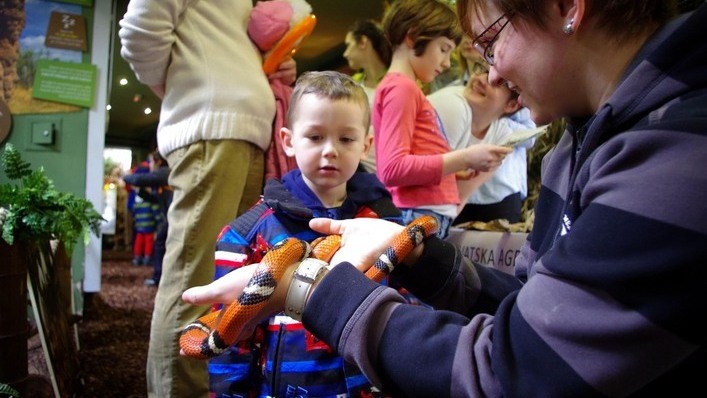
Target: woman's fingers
x=223 y=290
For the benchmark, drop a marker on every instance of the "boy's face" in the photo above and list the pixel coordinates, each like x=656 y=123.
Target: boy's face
x=435 y=59
x=492 y=101
x=328 y=139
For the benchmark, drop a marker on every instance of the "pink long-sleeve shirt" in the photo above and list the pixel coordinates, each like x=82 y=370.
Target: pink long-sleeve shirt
x=409 y=145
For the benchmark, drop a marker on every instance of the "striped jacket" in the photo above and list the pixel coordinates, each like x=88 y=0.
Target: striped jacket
x=609 y=299
x=282 y=358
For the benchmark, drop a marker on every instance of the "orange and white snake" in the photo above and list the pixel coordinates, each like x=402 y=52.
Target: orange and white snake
x=212 y=333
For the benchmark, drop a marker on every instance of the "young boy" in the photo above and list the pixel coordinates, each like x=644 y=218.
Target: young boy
x=327 y=134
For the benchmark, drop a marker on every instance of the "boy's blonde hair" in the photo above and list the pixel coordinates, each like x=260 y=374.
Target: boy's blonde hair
x=423 y=21
x=332 y=85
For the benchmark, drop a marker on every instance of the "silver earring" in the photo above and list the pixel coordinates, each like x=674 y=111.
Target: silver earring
x=569 y=29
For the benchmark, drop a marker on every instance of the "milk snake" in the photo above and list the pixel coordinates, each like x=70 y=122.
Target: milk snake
x=212 y=333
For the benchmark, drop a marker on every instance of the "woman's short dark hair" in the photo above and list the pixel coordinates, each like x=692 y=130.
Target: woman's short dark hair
x=623 y=19
x=374 y=32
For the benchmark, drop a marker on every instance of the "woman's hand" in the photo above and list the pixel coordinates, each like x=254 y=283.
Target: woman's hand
x=228 y=288
x=159 y=90
x=223 y=290
x=363 y=240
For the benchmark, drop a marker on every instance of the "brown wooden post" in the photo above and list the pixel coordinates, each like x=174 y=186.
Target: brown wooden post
x=14 y=327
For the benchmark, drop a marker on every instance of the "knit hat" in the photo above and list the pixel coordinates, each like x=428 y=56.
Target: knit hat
x=270 y=20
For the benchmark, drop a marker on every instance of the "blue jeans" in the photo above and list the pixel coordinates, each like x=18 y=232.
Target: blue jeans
x=444 y=222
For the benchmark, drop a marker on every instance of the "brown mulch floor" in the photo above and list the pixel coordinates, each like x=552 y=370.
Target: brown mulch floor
x=115 y=330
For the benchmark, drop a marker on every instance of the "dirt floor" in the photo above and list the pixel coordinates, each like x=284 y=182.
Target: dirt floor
x=113 y=335
x=115 y=330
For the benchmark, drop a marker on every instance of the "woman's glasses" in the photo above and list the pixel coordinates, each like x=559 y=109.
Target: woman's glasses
x=487 y=39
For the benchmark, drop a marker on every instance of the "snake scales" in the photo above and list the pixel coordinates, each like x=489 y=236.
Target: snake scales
x=212 y=333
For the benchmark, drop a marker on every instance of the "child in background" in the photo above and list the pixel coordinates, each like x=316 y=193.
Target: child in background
x=368 y=52
x=327 y=134
x=161 y=194
x=413 y=157
x=146 y=216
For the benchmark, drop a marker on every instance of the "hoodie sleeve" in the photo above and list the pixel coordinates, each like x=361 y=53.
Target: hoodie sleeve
x=413 y=350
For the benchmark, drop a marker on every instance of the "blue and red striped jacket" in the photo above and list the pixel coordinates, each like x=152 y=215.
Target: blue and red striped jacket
x=282 y=358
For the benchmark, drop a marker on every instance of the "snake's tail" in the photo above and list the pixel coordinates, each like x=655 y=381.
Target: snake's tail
x=213 y=333
x=418 y=230
x=194 y=334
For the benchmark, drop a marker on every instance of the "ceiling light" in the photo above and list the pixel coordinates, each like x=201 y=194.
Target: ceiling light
x=123 y=81
x=108 y=107
x=148 y=111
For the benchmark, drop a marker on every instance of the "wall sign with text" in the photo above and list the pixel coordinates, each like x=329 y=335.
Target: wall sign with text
x=67 y=82
x=66 y=31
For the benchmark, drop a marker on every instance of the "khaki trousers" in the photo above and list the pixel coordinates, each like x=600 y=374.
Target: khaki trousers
x=213 y=181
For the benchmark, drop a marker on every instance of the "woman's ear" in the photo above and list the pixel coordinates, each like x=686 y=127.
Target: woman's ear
x=571 y=13
x=286 y=139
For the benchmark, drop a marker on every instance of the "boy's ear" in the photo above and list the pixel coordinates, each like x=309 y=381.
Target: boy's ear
x=286 y=139
x=367 y=143
x=511 y=106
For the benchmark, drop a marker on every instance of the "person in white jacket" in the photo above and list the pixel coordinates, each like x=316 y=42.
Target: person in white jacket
x=481 y=113
x=215 y=124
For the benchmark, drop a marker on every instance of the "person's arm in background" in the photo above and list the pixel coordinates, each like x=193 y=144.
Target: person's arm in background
x=158 y=177
x=147 y=36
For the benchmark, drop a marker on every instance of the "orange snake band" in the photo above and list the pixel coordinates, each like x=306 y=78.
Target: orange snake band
x=213 y=333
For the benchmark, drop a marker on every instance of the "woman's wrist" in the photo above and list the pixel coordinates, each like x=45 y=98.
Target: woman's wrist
x=304 y=279
x=414 y=255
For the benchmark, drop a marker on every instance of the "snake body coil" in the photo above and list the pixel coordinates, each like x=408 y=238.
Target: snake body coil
x=212 y=333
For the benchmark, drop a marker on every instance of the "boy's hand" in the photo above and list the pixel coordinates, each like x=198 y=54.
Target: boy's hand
x=363 y=240
x=286 y=73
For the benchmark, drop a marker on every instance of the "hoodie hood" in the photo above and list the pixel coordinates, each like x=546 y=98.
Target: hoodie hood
x=293 y=197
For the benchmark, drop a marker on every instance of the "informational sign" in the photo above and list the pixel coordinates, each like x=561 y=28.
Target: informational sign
x=493 y=249
x=67 y=82
x=87 y=3
x=66 y=31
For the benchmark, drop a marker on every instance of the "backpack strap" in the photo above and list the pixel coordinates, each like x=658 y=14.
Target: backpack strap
x=244 y=223
x=385 y=208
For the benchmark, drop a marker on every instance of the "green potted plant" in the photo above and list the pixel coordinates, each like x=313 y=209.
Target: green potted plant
x=32 y=213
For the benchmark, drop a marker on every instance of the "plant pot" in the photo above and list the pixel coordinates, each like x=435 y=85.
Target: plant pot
x=14 y=327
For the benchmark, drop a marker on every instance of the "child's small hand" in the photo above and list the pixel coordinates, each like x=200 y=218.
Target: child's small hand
x=466 y=175
x=286 y=73
x=485 y=157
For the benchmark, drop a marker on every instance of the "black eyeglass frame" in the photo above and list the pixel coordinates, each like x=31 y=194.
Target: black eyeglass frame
x=486 y=49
